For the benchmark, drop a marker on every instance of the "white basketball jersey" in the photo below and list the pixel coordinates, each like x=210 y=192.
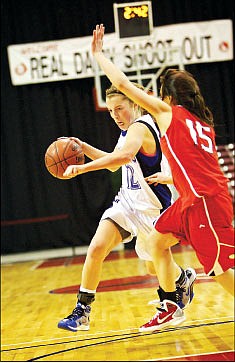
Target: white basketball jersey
x=135 y=190
x=138 y=204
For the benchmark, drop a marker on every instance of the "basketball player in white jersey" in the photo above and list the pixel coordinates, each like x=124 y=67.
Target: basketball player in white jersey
x=134 y=208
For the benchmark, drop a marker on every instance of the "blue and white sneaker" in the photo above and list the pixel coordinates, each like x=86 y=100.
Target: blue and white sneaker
x=185 y=291
x=78 y=320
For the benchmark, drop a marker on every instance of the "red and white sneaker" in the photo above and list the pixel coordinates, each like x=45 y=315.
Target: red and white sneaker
x=169 y=314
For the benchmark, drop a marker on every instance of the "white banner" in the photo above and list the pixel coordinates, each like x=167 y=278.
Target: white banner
x=186 y=43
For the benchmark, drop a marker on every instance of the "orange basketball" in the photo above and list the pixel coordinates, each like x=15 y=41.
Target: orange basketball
x=62 y=153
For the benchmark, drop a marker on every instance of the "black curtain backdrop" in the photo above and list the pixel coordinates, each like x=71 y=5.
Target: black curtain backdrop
x=41 y=212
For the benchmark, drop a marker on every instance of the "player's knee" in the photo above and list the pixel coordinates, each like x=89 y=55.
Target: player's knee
x=160 y=243
x=156 y=243
x=97 y=249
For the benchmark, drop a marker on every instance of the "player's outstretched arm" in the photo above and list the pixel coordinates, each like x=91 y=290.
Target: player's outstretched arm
x=153 y=105
x=115 y=159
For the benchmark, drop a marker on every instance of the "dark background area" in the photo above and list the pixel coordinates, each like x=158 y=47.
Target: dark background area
x=41 y=212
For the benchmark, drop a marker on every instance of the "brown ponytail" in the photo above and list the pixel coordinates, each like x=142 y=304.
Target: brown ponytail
x=184 y=90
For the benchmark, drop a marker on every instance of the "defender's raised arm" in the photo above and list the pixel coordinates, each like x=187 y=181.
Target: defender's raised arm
x=159 y=109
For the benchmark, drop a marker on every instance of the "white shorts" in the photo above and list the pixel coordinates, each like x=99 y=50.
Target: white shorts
x=138 y=223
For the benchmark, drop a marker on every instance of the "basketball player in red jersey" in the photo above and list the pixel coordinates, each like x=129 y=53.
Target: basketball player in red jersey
x=202 y=215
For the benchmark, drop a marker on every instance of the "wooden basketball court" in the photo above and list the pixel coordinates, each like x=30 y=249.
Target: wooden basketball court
x=37 y=294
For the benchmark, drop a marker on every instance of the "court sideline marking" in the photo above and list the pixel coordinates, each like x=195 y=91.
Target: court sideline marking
x=129 y=335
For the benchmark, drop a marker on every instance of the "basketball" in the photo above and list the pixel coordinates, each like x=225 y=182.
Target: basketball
x=62 y=153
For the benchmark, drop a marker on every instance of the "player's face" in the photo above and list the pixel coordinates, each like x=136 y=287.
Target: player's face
x=121 y=110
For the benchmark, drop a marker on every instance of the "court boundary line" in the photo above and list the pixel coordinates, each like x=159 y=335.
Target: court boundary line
x=130 y=330
x=137 y=335
x=117 y=338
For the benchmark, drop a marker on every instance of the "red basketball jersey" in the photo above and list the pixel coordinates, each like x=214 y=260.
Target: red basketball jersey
x=189 y=145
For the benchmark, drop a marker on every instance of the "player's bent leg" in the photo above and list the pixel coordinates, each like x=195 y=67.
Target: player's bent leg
x=106 y=238
x=166 y=269
x=168 y=272
x=226 y=280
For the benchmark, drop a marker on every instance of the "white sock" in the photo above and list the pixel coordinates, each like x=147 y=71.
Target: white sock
x=82 y=289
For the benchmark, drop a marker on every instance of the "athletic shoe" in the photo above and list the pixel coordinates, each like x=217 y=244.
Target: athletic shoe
x=78 y=320
x=169 y=314
x=185 y=290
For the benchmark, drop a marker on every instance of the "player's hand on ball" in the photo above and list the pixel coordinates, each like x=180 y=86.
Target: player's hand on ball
x=78 y=141
x=61 y=153
x=73 y=170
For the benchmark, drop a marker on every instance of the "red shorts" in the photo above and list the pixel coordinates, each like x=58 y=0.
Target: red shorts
x=207 y=226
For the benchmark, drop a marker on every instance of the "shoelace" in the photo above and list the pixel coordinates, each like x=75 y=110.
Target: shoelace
x=182 y=286
x=180 y=289
x=76 y=312
x=178 y=296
